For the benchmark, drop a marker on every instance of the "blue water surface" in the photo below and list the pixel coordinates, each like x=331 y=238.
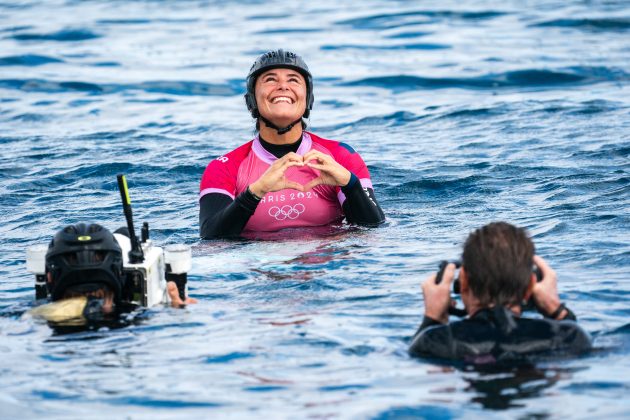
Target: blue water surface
x=465 y=111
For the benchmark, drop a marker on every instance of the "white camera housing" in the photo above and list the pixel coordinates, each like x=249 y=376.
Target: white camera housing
x=148 y=277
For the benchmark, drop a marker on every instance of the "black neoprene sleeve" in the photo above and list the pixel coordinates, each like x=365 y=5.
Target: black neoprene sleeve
x=360 y=206
x=220 y=216
x=570 y=316
x=426 y=323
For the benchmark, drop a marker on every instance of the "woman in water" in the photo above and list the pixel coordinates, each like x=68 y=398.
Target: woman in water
x=285 y=177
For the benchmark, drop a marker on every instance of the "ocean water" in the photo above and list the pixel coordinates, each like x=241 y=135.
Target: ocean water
x=465 y=111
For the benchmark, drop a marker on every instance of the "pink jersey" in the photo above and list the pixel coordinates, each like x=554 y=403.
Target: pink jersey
x=232 y=173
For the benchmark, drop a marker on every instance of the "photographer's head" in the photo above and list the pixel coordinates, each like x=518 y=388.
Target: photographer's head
x=497 y=265
x=85 y=260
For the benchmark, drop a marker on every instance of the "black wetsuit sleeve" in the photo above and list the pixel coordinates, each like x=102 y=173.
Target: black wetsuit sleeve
x=570 y=316
x=433 y=339
x=220 y=216
x=360 y=206
x=426 y=323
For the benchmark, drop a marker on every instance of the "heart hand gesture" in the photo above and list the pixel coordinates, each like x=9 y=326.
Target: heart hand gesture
x=274 y=178
x=330 y=171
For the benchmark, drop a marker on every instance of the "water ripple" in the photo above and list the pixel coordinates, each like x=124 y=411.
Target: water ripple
x=166 y=87
x=590 y=24
x=398 y=20
x=519 y=78
x=28 y=60
x=424 y=46
x=64 y=35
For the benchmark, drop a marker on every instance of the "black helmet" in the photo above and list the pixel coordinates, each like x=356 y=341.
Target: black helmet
x=84 y=257
x=274 y=60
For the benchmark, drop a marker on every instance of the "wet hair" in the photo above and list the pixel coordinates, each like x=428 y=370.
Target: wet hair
x=304 y=125
x=498 y=262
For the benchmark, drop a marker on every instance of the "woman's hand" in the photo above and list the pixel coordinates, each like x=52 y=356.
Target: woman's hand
x=173 y=293
x=274 y=179
x=330 y=171
x=437 y=297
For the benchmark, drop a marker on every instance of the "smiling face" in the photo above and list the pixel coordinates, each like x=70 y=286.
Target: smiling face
x=281 y=96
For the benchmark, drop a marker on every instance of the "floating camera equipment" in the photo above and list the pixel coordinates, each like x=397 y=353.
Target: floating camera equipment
x=147 y=268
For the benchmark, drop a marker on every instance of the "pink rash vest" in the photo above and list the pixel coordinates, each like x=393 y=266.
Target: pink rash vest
x=232 y=173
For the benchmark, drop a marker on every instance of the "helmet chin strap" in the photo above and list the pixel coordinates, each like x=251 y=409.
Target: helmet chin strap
x=280 y=130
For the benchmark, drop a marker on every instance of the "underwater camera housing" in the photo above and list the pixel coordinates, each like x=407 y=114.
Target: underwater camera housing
x=146 y=280
x=457 y=284
x=147 y=268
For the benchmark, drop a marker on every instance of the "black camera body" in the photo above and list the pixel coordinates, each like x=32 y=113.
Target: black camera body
x=457 y=284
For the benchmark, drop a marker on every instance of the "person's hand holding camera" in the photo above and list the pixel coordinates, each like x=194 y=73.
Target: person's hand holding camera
x=437 y=297
x=545 y=292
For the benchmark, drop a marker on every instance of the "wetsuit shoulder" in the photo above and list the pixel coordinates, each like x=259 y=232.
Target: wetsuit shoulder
x=220 y=175
x=570 y=336
x=433 y=342
x=454 y=341
x=480 y=340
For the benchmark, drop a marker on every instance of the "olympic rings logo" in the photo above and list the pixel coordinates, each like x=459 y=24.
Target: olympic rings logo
x=287 y=212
